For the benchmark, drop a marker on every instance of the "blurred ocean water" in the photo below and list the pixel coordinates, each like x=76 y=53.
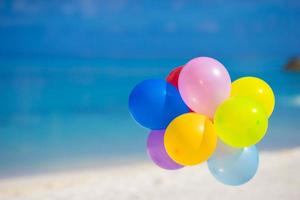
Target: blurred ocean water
x=74 y=112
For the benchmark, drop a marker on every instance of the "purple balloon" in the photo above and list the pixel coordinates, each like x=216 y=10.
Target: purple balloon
x=157 y=152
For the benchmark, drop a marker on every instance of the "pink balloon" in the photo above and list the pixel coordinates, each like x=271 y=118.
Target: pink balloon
x=204 y=84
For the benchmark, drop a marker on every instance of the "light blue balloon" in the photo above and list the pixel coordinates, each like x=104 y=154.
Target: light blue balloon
x=233 y=166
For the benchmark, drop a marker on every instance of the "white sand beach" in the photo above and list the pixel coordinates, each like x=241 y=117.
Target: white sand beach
x=278 y=177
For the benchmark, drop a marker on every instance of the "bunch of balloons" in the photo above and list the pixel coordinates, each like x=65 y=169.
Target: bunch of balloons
x=196 y=105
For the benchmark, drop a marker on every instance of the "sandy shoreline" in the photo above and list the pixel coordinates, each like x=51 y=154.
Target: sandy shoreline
x=278 y=177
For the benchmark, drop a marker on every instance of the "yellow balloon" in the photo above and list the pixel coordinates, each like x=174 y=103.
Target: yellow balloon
x=190 y=139
x=257 y=89
x=240 y=122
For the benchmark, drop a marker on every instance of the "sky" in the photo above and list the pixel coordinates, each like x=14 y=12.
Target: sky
x=149 y=29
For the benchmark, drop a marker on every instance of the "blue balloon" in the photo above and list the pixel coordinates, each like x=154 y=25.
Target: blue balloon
x=154 y=103
x=233 y=166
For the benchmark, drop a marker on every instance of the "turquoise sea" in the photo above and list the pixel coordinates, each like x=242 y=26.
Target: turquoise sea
x=69 y=113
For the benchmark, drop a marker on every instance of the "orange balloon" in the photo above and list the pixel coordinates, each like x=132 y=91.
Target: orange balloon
x=190 y=139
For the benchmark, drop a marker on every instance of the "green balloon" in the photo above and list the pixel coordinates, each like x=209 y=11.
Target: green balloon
x=240 y=122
